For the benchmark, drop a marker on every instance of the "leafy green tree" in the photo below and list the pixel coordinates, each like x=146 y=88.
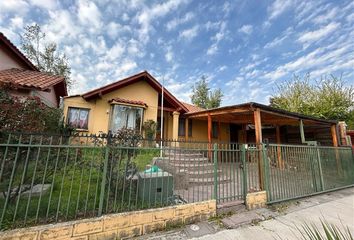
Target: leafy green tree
x=44 y=55
x=205 y=98
x=327 y=98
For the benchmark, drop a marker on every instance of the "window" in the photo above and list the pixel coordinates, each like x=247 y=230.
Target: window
x=215 y=130
x=126 y=117
x=190 y=127
x=182 y=127
x=78 y=117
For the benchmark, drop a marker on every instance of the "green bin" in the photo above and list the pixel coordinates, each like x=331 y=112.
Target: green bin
x=155 y=187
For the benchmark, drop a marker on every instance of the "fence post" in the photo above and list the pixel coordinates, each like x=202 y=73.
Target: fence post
x=104 y=175
x=215 y=172
x=266 y=170
x=244 y=175
x=320 y=168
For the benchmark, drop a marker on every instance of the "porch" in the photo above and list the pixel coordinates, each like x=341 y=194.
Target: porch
x=257 y=123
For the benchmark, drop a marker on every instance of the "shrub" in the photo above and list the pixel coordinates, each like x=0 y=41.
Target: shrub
x=28 y=114
x=150 y=129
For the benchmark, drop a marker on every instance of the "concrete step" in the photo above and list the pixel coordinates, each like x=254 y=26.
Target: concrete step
x=183 y=155
x=183 y=160
x=183 y=151
x=206 y=180
x=191 y=167
x=203 y=173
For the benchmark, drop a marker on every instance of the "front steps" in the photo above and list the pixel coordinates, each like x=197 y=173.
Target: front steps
x=196 y=167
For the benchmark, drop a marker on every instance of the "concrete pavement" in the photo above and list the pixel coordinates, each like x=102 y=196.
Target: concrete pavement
x=335 y=207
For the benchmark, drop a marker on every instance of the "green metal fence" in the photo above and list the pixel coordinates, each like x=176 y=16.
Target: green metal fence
x=46 y=179
x=296 y=171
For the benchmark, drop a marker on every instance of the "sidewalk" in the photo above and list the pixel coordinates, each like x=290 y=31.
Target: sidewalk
x=335 y=207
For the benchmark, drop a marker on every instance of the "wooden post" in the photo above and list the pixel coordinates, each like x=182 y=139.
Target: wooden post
x=209 y=134
x=219 y=132
x=244 y=130
x=258 y=125
x=258 y=132
x=186 y=133
x=335 y=144
x=280 y=160
x=334 y=135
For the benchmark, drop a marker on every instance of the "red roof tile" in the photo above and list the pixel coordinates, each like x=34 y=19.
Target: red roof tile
x=132 y=79
x=192 y=108
x=29 y=79
x=121 y=100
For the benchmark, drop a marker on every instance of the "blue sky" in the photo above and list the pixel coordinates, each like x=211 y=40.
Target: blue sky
x=243 y=47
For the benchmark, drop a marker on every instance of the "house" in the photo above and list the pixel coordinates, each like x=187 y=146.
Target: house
x=132 y=101
x=24 y=79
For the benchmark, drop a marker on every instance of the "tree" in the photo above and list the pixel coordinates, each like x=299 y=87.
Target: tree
x=203 y=97
x=327 y=98
x=44 y=55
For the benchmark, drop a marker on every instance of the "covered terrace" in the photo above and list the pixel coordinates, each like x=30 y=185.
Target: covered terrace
x=258 y=123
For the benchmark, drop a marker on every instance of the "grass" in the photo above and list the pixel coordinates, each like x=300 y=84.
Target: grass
x=75 y=189
x=144 y=158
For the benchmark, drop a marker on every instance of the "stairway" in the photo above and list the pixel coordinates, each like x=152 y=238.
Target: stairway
x=196 y=167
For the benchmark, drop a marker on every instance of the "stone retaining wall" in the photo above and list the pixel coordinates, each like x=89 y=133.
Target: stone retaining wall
x=118 y=226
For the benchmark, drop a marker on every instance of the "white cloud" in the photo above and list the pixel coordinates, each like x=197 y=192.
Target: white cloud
x=312 y=36
x=147 y=15
x=13 y=6
x=212 y=49
x=135 y=49
x=222 y=68
x=247 y=29
x=336 y=54
x=125 y=67
x=171 y=25
x=276 y=41
x=116 y=51
x=278 y=7
x=89 y=14
x=327 y=16
x=350 y=18
x=17 y=22
x=169 y=54
x=46 y=4
x=64 y=30
x=279 y=40
x=189 y=33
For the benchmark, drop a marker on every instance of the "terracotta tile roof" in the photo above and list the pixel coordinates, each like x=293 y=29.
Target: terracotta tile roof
x=15 y=50
x=133 y=79
x=192 y=108
x=121 y=100
x=29 y=79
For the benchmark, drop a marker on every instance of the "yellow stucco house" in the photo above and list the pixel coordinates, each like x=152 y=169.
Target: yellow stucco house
x=129 y=103
x=133 y=100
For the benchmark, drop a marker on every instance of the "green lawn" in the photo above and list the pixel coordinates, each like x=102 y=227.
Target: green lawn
x=75 y=186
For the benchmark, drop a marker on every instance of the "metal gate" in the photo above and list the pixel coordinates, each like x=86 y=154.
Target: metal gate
x=293 y=171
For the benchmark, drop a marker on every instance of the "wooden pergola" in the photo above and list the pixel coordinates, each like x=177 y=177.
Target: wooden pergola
x=258 y=115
